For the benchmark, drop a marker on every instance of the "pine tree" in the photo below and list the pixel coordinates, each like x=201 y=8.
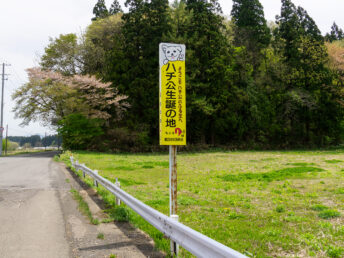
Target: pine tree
x=308 y=25
x=100 y=10
x=144 y=27
x=251 y=28
x=336 y=33
x=115 y=8
x=288 y=30
x=207 y=61
x=302 y=46
x=295 y=23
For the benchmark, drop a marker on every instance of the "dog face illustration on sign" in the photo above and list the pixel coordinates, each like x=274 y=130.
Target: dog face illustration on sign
x=172 y=53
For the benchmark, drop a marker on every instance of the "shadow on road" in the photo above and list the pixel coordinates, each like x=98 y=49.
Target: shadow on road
x=44 y=154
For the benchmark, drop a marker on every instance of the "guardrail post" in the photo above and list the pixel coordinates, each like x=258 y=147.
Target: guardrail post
x=72 y=161
x=95 y=181
x=174 y=245
x=76 y=165
x=118 y=184
x=83 y=171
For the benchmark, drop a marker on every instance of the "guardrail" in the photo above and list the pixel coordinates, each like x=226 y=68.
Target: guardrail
x=193 y=241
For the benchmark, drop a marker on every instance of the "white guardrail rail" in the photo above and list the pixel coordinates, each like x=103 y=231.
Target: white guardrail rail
x=193 y=241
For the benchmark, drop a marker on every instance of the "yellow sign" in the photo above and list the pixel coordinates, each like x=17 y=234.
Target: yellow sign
x=172 y=94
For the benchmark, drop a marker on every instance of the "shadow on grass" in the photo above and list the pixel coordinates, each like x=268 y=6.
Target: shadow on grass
x=285 y=173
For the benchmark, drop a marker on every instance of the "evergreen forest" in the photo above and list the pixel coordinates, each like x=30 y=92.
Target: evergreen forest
x=250 y=83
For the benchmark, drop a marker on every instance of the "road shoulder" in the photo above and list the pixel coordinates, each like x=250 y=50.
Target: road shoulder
x=119 y=238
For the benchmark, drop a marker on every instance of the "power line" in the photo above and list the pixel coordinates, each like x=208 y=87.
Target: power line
x=19 y=78
x=13 y=85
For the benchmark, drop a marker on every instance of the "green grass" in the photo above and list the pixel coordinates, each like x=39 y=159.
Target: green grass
x=329 y=214
x=281 y=174
x=268 y=204
x=333 y=161
x=100 y=236
x=119 y=213
x=319 y=207
x=83 y=207
x=302 y=164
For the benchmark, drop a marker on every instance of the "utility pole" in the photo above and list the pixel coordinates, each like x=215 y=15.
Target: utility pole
x=6 y=139
x=45 y=142
x=2 y=106
x=58 y=139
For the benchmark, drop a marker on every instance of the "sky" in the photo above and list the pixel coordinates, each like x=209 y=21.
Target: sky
x=25 y=28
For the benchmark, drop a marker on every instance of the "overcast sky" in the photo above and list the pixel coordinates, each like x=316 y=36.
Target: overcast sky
x=26 y=26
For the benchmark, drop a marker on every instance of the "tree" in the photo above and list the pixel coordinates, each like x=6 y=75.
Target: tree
x=308 y=26
x=336 y=61
x=50 y=96
x=11 y=146
x=251 y=28
x=43 y=99
x=62 y=55
x=309 y=93
x=79 y=132
x=115 y=8
x=180 y=18
x=144 y=28
x=101 y=45
x=288 y=30
x=100 y=11
x=208 y=75
x=27 y=146
x=335 y=34
x=293 y=24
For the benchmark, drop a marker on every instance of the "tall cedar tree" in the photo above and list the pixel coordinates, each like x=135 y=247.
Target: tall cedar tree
x=115 y=8
x=336 y=33
x=311 y=110
x=207 y=62
x=144 y=27
x=295 y=23
x=251 y=29
x=100 y=10
x=288 y=30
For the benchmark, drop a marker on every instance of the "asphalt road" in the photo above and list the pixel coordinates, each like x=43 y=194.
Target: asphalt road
x=39 y=217
x=31 y=217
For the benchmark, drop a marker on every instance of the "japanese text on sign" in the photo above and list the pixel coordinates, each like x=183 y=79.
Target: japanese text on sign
x=172 y=94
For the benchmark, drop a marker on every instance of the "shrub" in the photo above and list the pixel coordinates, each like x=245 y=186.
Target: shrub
x=79 y=132
x=120 y=214
x=329 y=214
x=319 y=207
x=11 y=146
x=280 y=208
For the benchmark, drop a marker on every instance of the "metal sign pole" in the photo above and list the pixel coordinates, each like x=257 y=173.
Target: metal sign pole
x=172 y=113
x=173 y=193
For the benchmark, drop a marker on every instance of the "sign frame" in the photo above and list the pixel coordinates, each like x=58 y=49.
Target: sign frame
x=172 y=94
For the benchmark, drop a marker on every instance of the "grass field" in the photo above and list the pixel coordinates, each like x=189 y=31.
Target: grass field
x=263 y=204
